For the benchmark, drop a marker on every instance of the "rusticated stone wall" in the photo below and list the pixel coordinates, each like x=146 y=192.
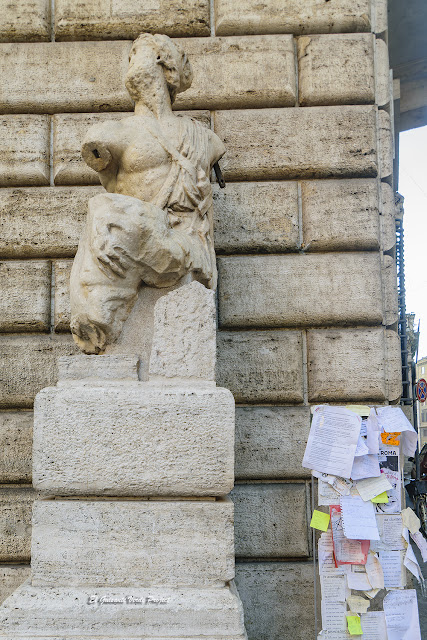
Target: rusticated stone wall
x=307 y=303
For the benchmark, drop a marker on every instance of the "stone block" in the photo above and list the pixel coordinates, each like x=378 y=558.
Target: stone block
x=25 y=300
x=69 y=130
x=340 y=215
x=228 y=73
x=62 y=309
x=15 y=523
x=320 y=142
x=133 y=439
x=261 y=366
x=60 y=612
x=16 y=443
x=184 y=334
x=105 y=367
x=28 y=364
x=385 y=145
x=132 y=543
x=11 y=577
x=103 y=19
x=24 y=148
x=389 y=279
x=346 y=365
x=270 y=520
x=270 y=442
x=26 y=21
x=256 y=217
x=278 y=599
x=382 y=73
x=388 y=220
x=336 y=69
x=296 y=16
x=39 y=222
x=300 y=290
x=64 y=74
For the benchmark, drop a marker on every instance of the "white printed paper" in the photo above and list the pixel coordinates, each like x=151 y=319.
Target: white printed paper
x=333 y=615
x=358 y=581
x=332 y=441
x=373 y=430
x=361 y=447
x=410 y=561
x=334 y=587
x=326 y=494
x=374 y=625
x=365 y=467
x=358 y=519
x=401 y=613
x=393 y=569
x=390 y=528
x=390 y=466
x=374 y=571
x=421 y=543
x=372 y=487
x=393 y=420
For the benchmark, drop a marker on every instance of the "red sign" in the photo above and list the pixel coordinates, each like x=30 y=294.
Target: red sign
x=421 y=390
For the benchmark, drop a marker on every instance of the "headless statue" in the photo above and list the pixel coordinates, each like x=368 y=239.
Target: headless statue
x=154 y=225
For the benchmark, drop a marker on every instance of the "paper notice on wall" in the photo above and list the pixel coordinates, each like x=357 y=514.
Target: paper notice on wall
x=392 y=419
x=334 y=587
x=401 y=613
x=373 y=430
x=390 y=467
x=332 y=440
x=361 y=448
x=410 y=561
x=365 y=467
x=325 y=553
x=371 y=487
x=374 y=625
x=410 y=520
x=374 y=571
x=358 y=581
x=333 y=615
x=421 y=543
x=326 y=494
x=358 y=518
x=393 y=569
x=346 y=551
x=357 y=604
x=390 y=529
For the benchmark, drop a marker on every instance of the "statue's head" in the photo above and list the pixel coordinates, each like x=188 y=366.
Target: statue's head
x=148 y=51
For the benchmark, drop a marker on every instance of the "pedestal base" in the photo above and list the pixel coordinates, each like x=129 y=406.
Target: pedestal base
x=88 y=613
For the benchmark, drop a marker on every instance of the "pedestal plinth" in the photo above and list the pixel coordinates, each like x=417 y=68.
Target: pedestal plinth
x=134 y=535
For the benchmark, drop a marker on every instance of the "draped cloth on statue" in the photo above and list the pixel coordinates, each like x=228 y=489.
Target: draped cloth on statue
x=127 y=241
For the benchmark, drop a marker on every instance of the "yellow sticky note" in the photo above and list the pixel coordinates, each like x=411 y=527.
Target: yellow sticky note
x=382 y=498
x=354 y=626
x=361 y=409
x=320 y=520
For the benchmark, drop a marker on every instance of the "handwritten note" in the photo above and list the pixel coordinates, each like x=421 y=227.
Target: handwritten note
x=393 y=569
x=357 y=604
x=332 y=440
x=320 y=520
x=346 y=551
x=374 y=571
x=371 y=487
x=358 y=519
x=365 y=467
x=401 y=613
x=333 y=615
x=374 y=625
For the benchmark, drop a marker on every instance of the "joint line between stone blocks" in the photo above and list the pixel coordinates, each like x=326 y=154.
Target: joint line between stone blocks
x=304 y=368
x=300 y=222
x=294 y=41
x=212 y=16
x=52 y=20
x=51 y=177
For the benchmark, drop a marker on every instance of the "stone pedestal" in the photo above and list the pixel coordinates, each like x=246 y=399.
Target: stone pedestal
x=134 y=535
